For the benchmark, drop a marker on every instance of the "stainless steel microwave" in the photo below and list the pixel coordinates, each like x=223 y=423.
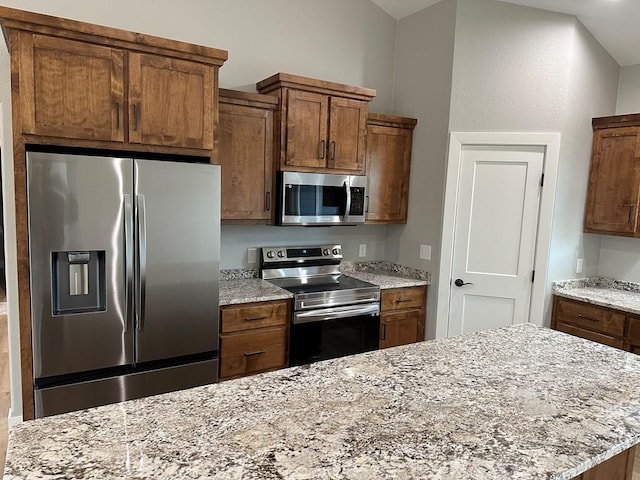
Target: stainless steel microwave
x=321 y=199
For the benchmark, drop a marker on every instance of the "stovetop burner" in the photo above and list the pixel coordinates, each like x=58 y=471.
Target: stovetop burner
x=341 y=282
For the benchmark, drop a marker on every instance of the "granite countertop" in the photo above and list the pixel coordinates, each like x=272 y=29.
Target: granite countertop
x=606 y=292
x=386 y=274
x=519 y=402
x=248 y=290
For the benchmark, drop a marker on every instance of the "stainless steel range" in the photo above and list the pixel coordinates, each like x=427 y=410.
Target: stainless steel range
x=333 y=315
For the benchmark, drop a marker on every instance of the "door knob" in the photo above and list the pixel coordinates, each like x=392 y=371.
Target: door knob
x=459 y=282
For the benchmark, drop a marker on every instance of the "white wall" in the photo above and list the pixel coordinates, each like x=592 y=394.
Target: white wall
x=629 y=90
x=348 y=42
x=620 y=256
x=422 y=87
x=593 y=80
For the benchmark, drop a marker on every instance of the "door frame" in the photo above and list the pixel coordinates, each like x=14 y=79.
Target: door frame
x=458 y=140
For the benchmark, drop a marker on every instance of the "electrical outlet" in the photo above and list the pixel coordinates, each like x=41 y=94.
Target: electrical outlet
x=425 y=252
x=363 y=250
x=252 y=255
x=579 y=265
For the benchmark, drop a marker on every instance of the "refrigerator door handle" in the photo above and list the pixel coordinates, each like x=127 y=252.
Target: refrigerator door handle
x=142 y=261
x=128 y=261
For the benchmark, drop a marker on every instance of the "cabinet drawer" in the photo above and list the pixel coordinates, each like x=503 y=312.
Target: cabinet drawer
x=591 y=317
x=590 y=335
x=401 y=298
x=252 y=352
x=633 y=334
x=253 y=315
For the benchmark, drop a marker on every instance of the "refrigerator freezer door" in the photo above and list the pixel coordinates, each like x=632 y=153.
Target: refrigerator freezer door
x=177 y=271
x=77 y=259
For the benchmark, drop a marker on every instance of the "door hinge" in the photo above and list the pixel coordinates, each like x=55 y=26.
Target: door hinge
x=542 y=180
x=533 y=276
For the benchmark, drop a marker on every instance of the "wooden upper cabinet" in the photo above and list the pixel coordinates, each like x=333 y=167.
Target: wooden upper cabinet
x=245 y=151
x=307 y=122
x=171 y=102
x=613 y=196
x=388 y=165
x=70 y=89
x=82 y=85
x=321 y=125
x=347 y=134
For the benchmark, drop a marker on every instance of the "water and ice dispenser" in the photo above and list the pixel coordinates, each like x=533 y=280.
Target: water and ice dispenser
x=78 y=280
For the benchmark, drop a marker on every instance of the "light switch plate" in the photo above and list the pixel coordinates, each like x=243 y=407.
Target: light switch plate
x=579 y=265
x=425 y=252
x=363 y=250
x=252 y=255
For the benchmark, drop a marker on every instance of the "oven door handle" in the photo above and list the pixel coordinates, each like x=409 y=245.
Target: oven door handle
x=324 y=314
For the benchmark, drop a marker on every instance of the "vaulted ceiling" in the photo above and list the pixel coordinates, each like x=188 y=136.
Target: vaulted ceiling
x=614 y=23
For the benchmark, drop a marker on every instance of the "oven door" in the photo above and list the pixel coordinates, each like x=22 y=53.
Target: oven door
x=320 y=199
x=333 y=332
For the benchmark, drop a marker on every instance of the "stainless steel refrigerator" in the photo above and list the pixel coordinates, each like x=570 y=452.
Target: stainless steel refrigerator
x=124 y=264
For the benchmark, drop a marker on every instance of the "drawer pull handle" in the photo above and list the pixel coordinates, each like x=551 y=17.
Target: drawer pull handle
x=403 y=300
x=257 y=352
x=588 y=318
x=253 y=319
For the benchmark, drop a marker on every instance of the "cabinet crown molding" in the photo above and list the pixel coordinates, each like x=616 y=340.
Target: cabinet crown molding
x=15 y=19
x=287 y=80
x=385 y=120
x=629 y=120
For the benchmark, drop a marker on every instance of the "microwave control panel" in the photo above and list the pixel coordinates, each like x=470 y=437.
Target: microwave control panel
x=357 y=201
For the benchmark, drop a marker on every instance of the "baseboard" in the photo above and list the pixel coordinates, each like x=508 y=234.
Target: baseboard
x=13 y=419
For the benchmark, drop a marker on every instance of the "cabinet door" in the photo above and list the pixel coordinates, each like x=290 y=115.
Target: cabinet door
x=347 y=134
x=245 y=153
x=400 y=328
x=71 y=89
x=307 y=119
x=614 y=183
x=251 y=352
x=388 y=165
x=171 y=102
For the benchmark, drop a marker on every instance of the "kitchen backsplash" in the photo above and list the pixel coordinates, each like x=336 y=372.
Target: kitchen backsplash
x=598 y=282
x=384 y=267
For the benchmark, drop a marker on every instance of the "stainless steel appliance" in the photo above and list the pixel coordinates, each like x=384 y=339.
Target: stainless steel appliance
x=333 y=314
x=321 y=199
x=124 y=258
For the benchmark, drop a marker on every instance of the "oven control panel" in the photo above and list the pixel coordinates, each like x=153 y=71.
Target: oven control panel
x=301 y=254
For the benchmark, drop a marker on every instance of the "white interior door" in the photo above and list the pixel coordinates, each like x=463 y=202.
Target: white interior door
x=498 y=200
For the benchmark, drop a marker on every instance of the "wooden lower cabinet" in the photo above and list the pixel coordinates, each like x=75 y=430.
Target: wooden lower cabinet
x=619 y=467
x=599 y=324
x=253 y=338
x=633 y=334
x=402 y=316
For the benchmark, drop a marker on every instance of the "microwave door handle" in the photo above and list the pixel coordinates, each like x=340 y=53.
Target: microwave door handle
x=347 y=208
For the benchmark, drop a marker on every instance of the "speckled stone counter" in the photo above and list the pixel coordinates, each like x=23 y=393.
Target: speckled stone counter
x=386 y=274
x=605 y=292
x=520 y=402
x=247 y=290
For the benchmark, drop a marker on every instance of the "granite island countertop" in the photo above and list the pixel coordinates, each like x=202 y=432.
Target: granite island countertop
x=519 y=402
x=605 y=292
